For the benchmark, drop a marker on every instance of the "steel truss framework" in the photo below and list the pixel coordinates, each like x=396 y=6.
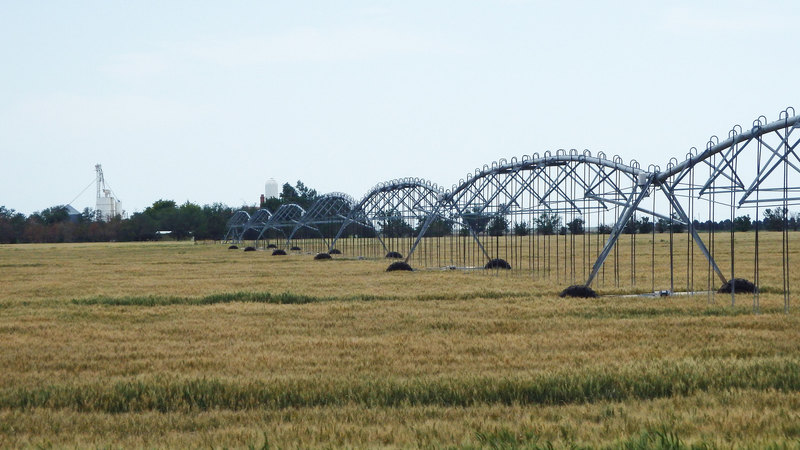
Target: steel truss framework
x=749 y=171
x=285 y=219
x=324 y=217
x=257 y=222
x=236 y=226
x=561 y=184
x=755 y=169
x=393 y=212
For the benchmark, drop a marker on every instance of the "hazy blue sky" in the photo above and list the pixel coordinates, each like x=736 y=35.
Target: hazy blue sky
x=202 y=101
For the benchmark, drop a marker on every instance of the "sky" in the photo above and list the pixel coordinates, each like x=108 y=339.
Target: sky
x=204 y=101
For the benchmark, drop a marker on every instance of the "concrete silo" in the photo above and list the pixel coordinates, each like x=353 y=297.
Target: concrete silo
x=108 y=206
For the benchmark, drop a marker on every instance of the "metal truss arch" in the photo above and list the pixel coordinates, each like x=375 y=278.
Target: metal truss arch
x=393 y=194
x=332 y=205
x=533 y=188
x=257 y=222
x=735 y=136
x=748 y=170
x=236 y=226
x=393 y=210
x=551 y=171
x=283 y=221
x=325 y=216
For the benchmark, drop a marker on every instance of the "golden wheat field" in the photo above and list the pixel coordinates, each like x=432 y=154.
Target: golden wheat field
x=194 y=345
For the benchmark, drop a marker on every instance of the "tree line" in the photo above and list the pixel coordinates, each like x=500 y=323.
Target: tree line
x=774 y=219
x=188 y=220
x=55 y=224
x=393 y=225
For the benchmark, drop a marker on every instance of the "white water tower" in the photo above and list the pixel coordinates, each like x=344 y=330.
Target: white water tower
x=271 y=189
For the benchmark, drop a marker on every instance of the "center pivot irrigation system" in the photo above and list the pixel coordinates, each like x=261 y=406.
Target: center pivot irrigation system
x=567 y=216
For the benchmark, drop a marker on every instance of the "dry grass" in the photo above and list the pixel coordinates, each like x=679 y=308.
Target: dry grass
x=724 y=419
x=195 y=345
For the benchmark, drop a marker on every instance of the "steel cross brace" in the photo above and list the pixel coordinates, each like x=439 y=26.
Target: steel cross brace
x=761 y=177
x=682 y=214
x=350 y=221
x=429 y=220
x=627 y=212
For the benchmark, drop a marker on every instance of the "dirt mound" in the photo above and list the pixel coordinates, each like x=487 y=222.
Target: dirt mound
x=233 y=247
x=249 y=249
x=578 y=290
x=394 y=255
x=278 y=252
x=272 y=246
x=497 y=264
x=323 y=256
x=740 y=286
x=296 y=249
x=399 y=265
x=335 y=251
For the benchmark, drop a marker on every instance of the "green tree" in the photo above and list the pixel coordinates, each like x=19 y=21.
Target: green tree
x=521 y=229
x=774 y=219
x=54 y=214
x=548 y=223
x=189 y=221
x=139 y=227
x=12 y=226
x=88 y=215
x=217 y=216
x=300 y=195
x=476 y=220
x=288 y=193
x=164 y=214
x=742 y=223
x=272 y=204
x=307 y=195
x=575 y=226
x=498 y=226
x=160 y=205
x=440 y=226
x=393 y=225
x=632 y=226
